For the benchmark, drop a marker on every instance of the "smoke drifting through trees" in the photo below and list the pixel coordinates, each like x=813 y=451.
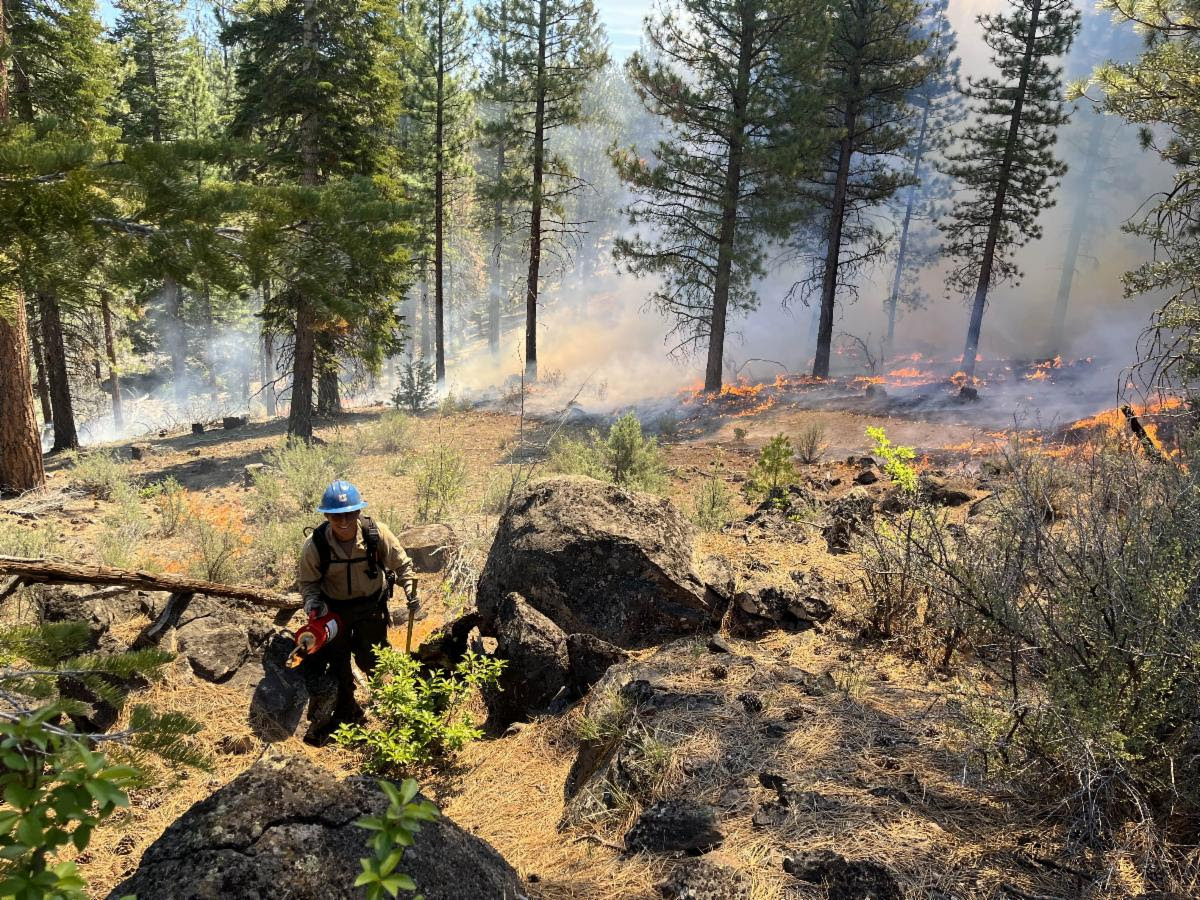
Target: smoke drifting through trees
x=215 y=194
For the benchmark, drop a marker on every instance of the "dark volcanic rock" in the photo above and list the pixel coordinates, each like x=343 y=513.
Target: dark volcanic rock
x=843 y=879
x=278 y=695
x=537 y=669
x=285 y=829
x=214 y=649
x=598 y=559
x=848 y=515
x=429 y=546
x=754 y=613
x=947 y=491
x=589 y=658
x=672 y=826
x=699 y=879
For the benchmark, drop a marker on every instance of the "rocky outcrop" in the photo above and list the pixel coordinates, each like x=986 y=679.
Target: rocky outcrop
x=754 y=613
x=285 y=829
x=702 y=880
x=673 y=826
x=598 y=559
x=537 y=666
x=429 y=546
x=848 y=515
x=844 y=879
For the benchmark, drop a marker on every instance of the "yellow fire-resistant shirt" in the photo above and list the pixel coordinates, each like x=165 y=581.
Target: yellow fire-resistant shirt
x=343 y=581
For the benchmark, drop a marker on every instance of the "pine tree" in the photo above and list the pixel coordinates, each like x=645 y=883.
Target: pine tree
x=1006 y=166
x=438 y=65
x=149 y=35
x=318 y=91
x=874 y=62
x=555 y=46
x=732 y=82
x=937 y=104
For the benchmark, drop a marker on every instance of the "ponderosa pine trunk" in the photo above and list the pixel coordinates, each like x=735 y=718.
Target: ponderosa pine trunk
x=902 y=248
x=110 y=353
x=176 y=339
x=538 y=164
x=39 y=371
x=267 y=360
x=987 y=263
x=65 y=436
x=304 y=354
x=496 y=291
x=329 y=401
x=21 y=466
x=1079 y=225
x=439 y=192
x=731 y=195
x=833 y=249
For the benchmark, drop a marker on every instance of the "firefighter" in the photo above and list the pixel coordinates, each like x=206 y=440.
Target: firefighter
x=348 y=566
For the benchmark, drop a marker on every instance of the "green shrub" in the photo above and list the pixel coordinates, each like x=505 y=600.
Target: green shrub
x=625 y=456
x=896 y=460
x=391 y=433
x=452 y=404
x=773 y=471
x=810 y=443
x=421 y=719
x=394 y=833
x=126 y=527
x=739 y=435
x=712 y=501
x=273 y=551
x=297 y=476
x=417 y=387
x=441 y=481
x=17 y=540
x=171 y=503
x=101 y=474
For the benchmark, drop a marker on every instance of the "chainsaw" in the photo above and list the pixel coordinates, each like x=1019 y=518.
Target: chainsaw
x=312 y=636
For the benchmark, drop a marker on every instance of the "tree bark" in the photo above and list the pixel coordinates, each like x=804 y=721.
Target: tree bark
x=902 y=249
x=36 y=571
x=65 y=436
x=269 y=372
x=39 y=369
x=303 y=357
x=426 y=321
x=535 y=214
x=496 y=291
x=439 y=193
x=110 y=352
x=176 y=339
x=987 y=263
x=1079 y=225
x=210 y=376
x=714 y=368
x=20 y=443
x=329 y=401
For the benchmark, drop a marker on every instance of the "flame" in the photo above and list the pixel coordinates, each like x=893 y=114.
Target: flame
x=1038 y=375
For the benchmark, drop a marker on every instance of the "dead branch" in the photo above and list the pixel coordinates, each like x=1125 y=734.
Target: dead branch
x=40 y=571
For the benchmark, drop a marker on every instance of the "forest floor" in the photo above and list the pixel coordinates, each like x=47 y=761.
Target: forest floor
x=887 y=747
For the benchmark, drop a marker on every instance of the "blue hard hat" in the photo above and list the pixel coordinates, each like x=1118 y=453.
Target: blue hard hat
x=341 y=497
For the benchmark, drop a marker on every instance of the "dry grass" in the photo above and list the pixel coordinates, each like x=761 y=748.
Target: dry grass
x=955 y=834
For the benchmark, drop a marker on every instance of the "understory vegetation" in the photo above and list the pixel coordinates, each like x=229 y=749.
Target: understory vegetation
x=1078 y=585
x=623 y=456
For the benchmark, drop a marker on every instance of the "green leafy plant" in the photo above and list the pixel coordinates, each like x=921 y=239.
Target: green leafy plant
x=125 y=526
x=391 y=433
x=296 y=476
x=440 y=478
x=18 y=540
x=773 y=471
x=172 y=507
x=421 y=718
x=394 y=833
x=56 y=784
x=417 y=386
x=739 y=434
x=452 y=404
x=897 y=460
x=712 y=501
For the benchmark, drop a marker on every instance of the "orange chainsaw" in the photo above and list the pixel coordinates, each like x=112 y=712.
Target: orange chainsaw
x=312 y=636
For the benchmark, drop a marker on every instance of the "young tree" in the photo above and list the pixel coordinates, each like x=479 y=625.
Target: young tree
x=733 y=83
x=1006 y=164
x=938 y=105
x=873 y=64
x=441 y=105
x=149 y=36
x=318 y=91
x=555 y=46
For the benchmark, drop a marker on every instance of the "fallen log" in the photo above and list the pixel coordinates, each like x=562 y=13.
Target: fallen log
x=41 y=571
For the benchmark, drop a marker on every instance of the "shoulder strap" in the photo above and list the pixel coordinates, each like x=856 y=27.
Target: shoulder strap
x=371 y=539
x=320 y=539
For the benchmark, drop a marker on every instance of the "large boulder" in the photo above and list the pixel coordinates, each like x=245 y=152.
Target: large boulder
x=429 y=546
x=537 y=667
x=598 y=559
x=285 y=829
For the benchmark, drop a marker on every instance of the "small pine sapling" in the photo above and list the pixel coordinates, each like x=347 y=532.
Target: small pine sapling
x=417 y=387
x=773 y=471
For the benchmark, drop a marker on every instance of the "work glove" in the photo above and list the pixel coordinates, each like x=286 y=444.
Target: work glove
x=315 y=606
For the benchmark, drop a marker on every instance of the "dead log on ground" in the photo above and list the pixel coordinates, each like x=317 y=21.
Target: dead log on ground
x=40 y=571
